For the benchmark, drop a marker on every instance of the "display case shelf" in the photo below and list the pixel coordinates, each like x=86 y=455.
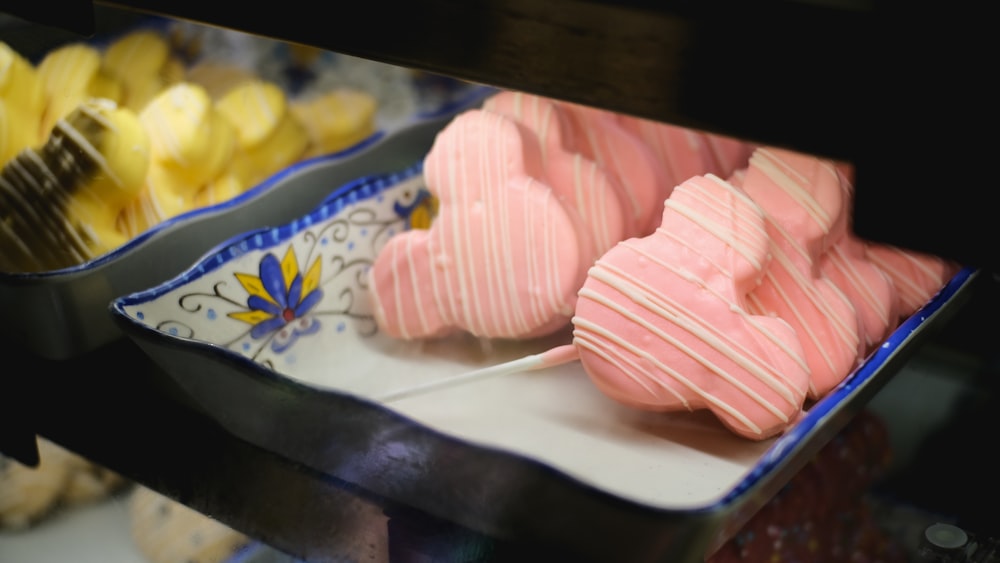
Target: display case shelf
x=119 y=408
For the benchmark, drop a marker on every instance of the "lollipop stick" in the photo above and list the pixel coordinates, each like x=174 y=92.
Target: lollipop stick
x=553 y=357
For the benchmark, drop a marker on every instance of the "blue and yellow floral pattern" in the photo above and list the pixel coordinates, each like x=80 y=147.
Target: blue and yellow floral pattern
x=280 y=299
x=278 y=292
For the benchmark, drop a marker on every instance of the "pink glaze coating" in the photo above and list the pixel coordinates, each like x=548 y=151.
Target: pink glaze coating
x=503 y=259
x=917 y=276
x=870 y=291
x=600 y=136
x=736 y=178
x=661 y=322
x=687 y=152
x=577 y=180
x=803 y=203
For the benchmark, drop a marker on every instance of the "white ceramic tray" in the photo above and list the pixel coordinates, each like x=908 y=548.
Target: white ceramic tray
x=271 y=334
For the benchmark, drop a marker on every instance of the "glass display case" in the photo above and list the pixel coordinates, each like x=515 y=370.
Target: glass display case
x=838 y=79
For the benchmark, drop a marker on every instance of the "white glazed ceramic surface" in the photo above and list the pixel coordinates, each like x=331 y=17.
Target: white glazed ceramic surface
x=295 y=299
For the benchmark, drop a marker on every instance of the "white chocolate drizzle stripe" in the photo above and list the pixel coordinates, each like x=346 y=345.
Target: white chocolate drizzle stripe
x=425 y=326
x=614 y=339
x=75 y=246
x=87 y=147
x=807 y=287
x=451 y=312
x=610 y=163
x=532 y=272
x=791 y=181
x=463 y=251
x=748 y=223
x=727 y=236
x=685 y=319
x=845 y=265
x=912 y=295
x=508 y=274
x=598 y=204
x=625 y=365
x=733 y=307
x=493 y=179
x=797 y=320
x=552 y=259
x=267 y=109
x=398 y=294
x=510 y=301
x=434 y=256
x=494 y=227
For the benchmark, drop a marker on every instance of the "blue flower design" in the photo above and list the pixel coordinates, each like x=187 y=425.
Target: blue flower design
x=280 y=299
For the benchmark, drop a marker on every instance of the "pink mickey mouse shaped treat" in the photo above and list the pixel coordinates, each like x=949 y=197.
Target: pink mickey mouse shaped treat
x=599 y=135
x=577 y=180
x=662 y=324
x=503 y=259
x=803 y=202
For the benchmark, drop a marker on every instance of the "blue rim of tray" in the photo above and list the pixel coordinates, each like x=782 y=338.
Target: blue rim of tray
x=783 y=447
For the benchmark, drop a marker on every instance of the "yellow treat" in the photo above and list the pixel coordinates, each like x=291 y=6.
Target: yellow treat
x=269 y=136
x=70 y=74
x=23 y=96
x=172 y=195
x=141 y=213
x=121 y=150
x=285 y=146
x=163 y=197
x=142 y=62
x=256 y=108
x=60 y=202
x=223 y=188
x=191 y=144
x=189 y=138
x=104 y=86
x=336 y=120
x=17 y=131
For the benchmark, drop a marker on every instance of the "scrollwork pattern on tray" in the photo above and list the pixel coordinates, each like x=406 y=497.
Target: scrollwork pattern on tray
x=280 y=303
x=176 y=328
